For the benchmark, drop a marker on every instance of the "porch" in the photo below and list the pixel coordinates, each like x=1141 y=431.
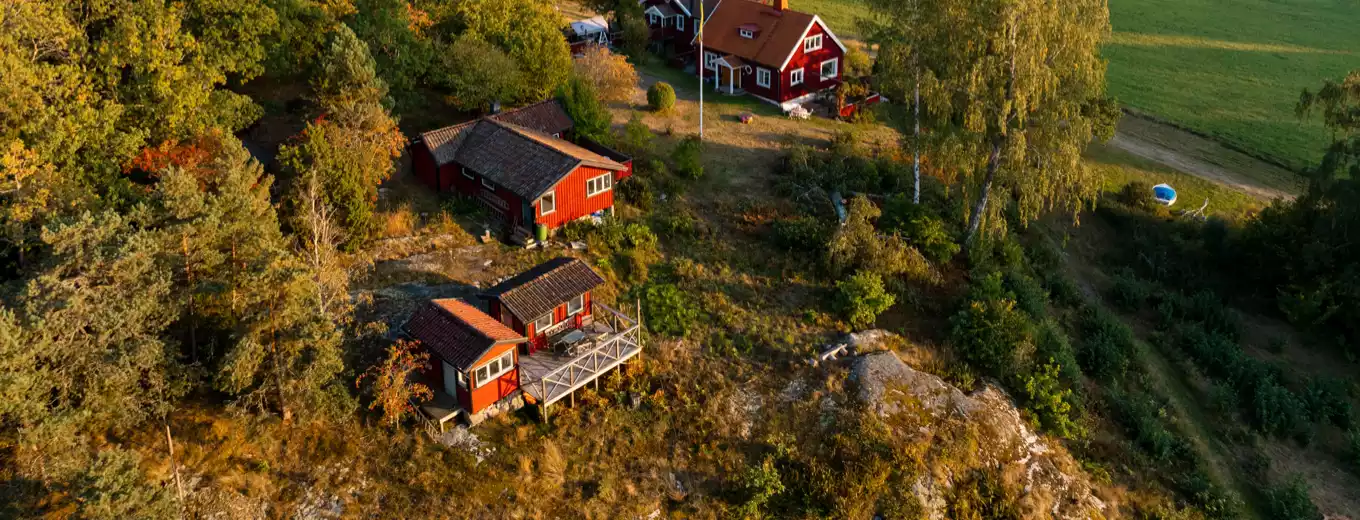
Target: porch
x=548 y=376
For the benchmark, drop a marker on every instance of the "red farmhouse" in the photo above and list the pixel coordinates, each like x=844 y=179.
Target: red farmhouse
x=519 y=165
x=673 y=25
x=769 y=51
x=547 y=311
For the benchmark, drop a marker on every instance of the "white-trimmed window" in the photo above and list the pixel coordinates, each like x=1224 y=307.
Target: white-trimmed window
x=831 y=69
x=599 y=184
x=496 y=368
x=575 y=305
x=469 y=175
x=547 y=204
x=543 y=322
x=746 y=34
x=710 y=61
x=680 y=21
x=696 y=26
x=653 y=18
x=796 y=77
x=763 y=77
x=812 y=43
x=487 y=184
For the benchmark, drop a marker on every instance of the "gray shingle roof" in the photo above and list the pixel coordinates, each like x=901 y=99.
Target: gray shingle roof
x=520 y=159
x=533 y=293
x=547 y=117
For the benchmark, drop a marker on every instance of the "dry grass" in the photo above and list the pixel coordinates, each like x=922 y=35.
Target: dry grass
x=400 y=222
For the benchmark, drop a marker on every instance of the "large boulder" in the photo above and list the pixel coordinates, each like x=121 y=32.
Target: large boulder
x=971 y=432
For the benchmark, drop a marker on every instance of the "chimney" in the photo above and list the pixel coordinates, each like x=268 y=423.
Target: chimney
x=781 y=5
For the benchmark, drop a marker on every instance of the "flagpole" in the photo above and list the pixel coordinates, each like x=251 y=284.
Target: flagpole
x=702 y=68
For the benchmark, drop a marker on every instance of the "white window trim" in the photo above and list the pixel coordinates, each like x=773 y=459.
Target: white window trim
x=680 y=21
x=580 y=301
x=652 y=19
x=796 y=77
x=696 y=25
x=593 y=185
x=710 y=61
x=542 y=201
x=487 y=184
x=543 y=322
x=812 y=43
x=469 y=175
x=762 y=72
x=746 y=34
x=507 y=363
x=835 y=62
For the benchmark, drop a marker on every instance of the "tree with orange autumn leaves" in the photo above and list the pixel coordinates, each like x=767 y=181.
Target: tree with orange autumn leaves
x=393 y=390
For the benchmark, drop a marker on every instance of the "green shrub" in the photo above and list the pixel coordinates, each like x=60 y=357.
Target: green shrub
x=638 y=191
x=1029 y=295
x=669 y=311
x=1050 y=401
x=1142 y=418
x=922 y=229
x=1138 y=195
x=862 y=298
x=1327 y=400
x=1276 y=410
x=993 y=336
x=1052 y=343
x=661 y=97
x=678 y=223
x=1129 y=292
x=1106 y=344
x=634 y=266
x=802 y=233
x=1353 y=449
x=688 y=157
x=636 y=139
x=1291 y=502
x=1062 y=289
x=760 y=483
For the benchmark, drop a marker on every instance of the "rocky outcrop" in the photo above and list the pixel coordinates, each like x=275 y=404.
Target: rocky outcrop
x=919 y=406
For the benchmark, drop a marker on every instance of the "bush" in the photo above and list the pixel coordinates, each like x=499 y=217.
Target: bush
x=803 y=233
x=636 y=139
x=862 y=298
x=661 y=97
x=921 y=228
x=688 y=157
x=1029 y=295
x=1106 y=344
x=992 y=336
x=1051 y=343
x=1050 y=402
x=1129 y=292
x=1327 y=400
x=1141 y=417
x=669 y=311
x=582 y=103
x=1138 y=195
x=1291 y=502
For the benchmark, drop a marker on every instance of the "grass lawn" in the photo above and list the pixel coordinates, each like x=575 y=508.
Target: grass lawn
x=1233 y=68
x=1118 y=168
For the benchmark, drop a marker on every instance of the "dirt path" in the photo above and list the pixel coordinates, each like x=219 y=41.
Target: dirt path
x=1204 y=158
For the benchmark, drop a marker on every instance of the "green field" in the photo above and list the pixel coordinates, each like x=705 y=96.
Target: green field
x=1231 y=69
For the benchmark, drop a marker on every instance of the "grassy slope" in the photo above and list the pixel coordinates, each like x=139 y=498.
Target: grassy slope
x=1233 y=68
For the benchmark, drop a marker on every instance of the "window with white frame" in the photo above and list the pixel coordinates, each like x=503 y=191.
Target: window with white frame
x=710 y=61
x=599 y=185
x=680 y=21
x=796 y=77
x=543 y=322
x=468 y=175
x=696 y=26
x=763 y=77
x=653 y=19
x=746 y=33
x=575 y=305
x=496 y=368
x=547 y=204
x=830 y=69
x=812 y=43
x=487 y=184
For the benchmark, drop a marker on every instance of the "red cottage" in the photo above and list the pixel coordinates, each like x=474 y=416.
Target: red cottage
x=674 y=23
x=519 y=165
x=566 y=340
x=770 y=51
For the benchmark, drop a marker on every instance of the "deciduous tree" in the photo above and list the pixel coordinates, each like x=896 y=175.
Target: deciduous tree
x=612 y=75
x=530 y=31
x=476 y=73
x=582 y=103
x=393 y=390
x=1014 y=90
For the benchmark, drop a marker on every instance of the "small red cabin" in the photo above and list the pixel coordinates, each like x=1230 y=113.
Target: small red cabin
x=519 y=165
x=548 y=310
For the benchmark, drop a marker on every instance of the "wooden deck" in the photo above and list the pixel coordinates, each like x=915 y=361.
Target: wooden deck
x=547 y=377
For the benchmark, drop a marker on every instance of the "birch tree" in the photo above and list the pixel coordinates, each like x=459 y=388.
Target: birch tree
x=1014 y=91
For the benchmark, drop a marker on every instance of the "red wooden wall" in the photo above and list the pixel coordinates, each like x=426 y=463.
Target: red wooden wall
x=812 y=67
x=488 y=393
x=571 y=200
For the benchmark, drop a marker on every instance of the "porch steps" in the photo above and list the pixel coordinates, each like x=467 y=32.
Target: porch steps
x=522 y=237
